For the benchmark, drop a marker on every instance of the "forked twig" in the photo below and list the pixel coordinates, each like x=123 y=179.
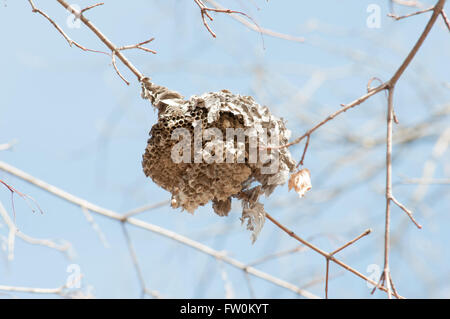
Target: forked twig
x=324 y=253
x=154 y=229
x=396 y=17
x=22 y=195
x=253 y=26
x=71 y=42
x=204 y=10
x=115 y=51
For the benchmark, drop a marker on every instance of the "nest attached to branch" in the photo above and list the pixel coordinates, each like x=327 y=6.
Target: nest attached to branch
x=194 y=183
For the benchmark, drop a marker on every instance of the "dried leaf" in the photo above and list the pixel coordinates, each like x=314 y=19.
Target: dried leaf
x=300 y=181
x=256 y=216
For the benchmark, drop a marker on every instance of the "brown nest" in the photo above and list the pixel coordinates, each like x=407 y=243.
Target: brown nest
x=216 y=169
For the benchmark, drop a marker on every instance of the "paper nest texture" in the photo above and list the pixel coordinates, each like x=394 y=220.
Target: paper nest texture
x=193 y=184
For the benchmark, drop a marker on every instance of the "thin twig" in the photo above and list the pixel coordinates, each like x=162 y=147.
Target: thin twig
x=443 y=14
x=115 y=51
x=249 y=285
x=386 y=278
x=95 y=227
x=153 y=228
x=24 y=196
x=421 y=181
x=407 y=211
x=436 y=11
x=55 y=291
x=304 y=151
x=91 y=7
x=8 y=146
x=103 y=38
x=278 y=255
x=396 y=17
x=64 y=247
x=113 y=61
x=407 y=3
x=321 y=252
x=367 y=232
x=381 y=87
x=60 y=30
x=60 y=291
x=446 y=20
x=138 y=46
x=327 y=271
x=128 y=47
x=386 y=273
x=344 y=108
x=389 y=85
x=134 y=259
x=204 y=10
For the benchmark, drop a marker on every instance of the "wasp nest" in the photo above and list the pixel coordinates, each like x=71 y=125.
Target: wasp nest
x=216 y=169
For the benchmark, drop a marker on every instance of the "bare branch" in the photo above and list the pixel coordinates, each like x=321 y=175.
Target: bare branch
x=323 y=253
x=140 y=275
x=95 y=227
x=7 y=146
x=138 y=46
x=145 y=208
x=436 y=11
x=62 y=291
x=422 y=181
x=278 y=255
x=386 y=278
x=24 y=196
x=407 y=3
x=367 y=232
x=253 y=26
x=153 y=228
x=204 y=10
x=60 y=30
x=396 y=17
x=304 y=151
x=115 y=51
x=64 y=247
x=407 y=211
x=446 y=20
x=345 y=107
x=91 y=7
